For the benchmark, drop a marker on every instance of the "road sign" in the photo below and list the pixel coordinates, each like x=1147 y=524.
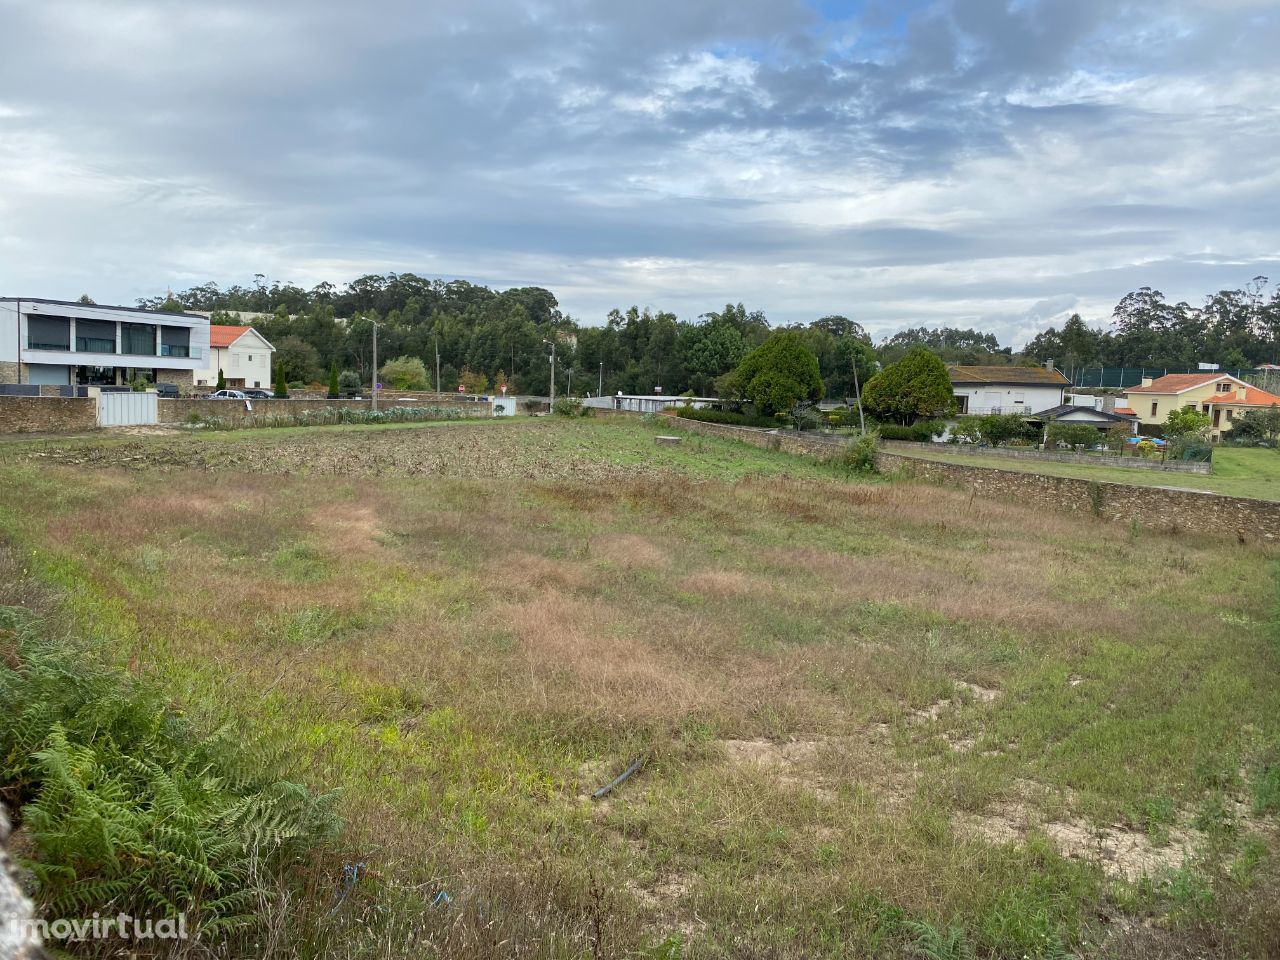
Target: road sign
x=503 y=388
x=462 y=388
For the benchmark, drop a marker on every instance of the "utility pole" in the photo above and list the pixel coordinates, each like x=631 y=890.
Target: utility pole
x=857 y=392
x=437 y=341
x=553 y=370
x=374 y=378
x=600 y=389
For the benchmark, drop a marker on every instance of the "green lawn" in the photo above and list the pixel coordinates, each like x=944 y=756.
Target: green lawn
x=878 y=718
x=1237 y=471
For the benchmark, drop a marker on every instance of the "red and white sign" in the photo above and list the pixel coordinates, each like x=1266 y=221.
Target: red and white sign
x=462 y=388
x=503 y=388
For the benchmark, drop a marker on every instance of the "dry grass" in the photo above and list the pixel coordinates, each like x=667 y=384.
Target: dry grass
x=803 y=663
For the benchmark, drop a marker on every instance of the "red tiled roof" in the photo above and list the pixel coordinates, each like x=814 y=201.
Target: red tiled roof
x=1251 y=397
x=1126 y=411
x=220 y=336
x=1177 y=382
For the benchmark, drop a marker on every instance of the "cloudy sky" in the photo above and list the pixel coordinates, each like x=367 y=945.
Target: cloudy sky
x=996 y=163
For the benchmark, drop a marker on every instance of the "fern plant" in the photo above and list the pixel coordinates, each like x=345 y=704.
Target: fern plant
x=129 y=805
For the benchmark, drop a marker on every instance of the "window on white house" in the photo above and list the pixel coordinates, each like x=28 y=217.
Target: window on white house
x=1155 y=405
x=1228 y=414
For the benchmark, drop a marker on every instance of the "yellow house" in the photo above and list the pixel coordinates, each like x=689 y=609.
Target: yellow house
x=1220 y=395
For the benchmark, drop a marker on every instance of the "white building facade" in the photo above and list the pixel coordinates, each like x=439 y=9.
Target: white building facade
x=242 y=354
x=1006 y=389
x=64 y=343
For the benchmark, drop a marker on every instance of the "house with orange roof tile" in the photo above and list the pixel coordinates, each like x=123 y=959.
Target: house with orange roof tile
x=241 y=353
x=1220 y=395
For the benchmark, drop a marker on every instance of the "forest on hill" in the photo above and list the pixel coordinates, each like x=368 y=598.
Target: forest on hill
x=484 y=336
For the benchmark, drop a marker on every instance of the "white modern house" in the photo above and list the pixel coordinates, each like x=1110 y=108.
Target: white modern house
x=1001 y=389
x=60 y=342
x=241 y=353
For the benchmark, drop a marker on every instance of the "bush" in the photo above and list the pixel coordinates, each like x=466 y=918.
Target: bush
x=914 y=387
x=1072 y=434
x=567 y=407
x=861 y=454
x=331 y=416
x=349 y=383
x=710 y=415
x=404 y=373
x=921 y=432
x=130 y=806
x=778 y=374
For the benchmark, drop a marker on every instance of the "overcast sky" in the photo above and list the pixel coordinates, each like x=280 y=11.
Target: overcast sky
x=975 y=162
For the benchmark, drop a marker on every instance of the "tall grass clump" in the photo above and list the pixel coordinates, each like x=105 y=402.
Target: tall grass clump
x=861 y=454
x=128 y=805
x=333 y=416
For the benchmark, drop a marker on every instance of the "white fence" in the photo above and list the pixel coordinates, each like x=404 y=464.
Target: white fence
x=127 y=409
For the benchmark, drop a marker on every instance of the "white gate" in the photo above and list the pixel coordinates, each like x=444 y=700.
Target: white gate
x=126 y=409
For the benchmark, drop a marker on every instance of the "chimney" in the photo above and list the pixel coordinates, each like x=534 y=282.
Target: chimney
x=1108 y=404
x=1048 y=365
x=1147 y=381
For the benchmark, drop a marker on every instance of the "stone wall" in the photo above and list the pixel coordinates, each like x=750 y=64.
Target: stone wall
x=178 y=411
x=8 y=371
x=1025 y=453
x=47 y=414
x=1160 y=508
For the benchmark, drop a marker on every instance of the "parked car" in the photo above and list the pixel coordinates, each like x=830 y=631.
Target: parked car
x=257 y=394
x=226 y=395
x=169 y=391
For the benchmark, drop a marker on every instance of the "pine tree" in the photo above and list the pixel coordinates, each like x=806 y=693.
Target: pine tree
x=281 y=388
x=222 y=381
x=333 y=380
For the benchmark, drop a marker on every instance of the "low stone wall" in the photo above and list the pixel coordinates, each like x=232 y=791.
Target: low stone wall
x=1050 y=456
x=1160 y=508
x=47 y=414
x=179 y=411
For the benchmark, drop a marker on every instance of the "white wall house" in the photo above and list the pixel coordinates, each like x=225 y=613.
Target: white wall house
x=66 y=343
x=241 y=353
x=998 y=389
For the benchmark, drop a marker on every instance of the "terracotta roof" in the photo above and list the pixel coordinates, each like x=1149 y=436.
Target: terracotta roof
x=1028 y=376
x=1126 y=411
x=220 y=336
x=1177 y=382
x=1251 y=397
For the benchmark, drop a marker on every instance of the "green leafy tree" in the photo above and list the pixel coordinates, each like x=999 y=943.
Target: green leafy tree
x=778 y=374
x=222 y=381
x=299 y=359
x=333 y=380
x=916 y=386
x=404 y=373
x=1000 y=428
x=1072 y=434
x=1185 y=420
x=281 y=385
x=1258 y=426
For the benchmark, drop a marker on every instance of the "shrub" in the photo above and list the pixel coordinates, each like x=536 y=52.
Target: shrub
x=920 y=432
x=404 y=373
x=281 y=389
x=333 y=380
x=130 y=806
x=710 y=415
x=349 y=383
x=1072 y=434
x=567 y=407
x=222 y=381
x=861 y=454
x=998 y=428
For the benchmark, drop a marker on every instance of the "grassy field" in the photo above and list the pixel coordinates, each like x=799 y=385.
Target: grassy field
x=1237 y=471
x=875 y=718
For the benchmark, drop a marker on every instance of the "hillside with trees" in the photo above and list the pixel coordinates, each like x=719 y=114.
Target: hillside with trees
x=485 y=337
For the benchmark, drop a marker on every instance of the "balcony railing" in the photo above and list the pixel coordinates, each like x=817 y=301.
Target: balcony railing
x=95 y=345
x=174 y=350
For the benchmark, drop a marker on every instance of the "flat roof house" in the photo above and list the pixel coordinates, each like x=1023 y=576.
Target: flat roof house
x=67 y=343
x=998 y=389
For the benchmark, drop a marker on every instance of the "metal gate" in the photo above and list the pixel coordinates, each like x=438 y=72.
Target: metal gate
x=126 y=409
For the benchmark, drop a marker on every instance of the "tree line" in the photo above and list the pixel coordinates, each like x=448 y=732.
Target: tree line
x=484 y=337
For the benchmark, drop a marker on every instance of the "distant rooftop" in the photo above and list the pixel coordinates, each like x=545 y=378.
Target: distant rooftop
x=100 y=306
x=1019 y=376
